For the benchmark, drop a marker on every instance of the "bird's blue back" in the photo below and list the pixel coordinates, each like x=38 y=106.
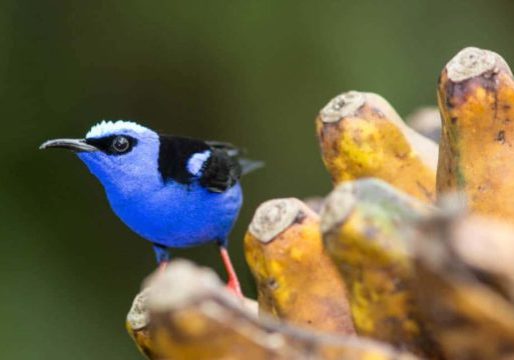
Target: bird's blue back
x=161 y=210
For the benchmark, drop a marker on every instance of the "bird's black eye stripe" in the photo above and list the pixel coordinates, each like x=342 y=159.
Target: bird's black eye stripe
x=114 y=144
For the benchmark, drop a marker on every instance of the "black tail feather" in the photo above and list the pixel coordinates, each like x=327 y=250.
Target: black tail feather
x=248 y=165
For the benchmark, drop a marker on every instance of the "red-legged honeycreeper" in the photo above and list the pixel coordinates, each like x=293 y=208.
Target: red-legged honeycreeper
x=173 y=191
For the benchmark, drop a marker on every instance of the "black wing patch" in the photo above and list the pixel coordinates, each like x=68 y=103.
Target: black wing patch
x=247 y=165
x=219 y=172
x=230 y=149
x=174 y=153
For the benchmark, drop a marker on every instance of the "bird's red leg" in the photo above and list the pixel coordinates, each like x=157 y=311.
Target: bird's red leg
x=162 y=266
x=233 y=282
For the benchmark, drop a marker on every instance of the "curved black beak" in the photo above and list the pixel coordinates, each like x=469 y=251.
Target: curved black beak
x=76 y=145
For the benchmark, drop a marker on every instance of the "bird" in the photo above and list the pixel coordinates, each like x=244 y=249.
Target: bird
x=173 y=191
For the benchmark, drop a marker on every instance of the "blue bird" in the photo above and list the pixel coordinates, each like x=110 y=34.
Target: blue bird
x=173 y=191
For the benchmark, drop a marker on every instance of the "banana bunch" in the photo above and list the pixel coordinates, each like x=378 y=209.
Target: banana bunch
x=411 y=256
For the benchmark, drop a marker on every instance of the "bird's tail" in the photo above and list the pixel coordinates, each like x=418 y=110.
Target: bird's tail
x=248 y=165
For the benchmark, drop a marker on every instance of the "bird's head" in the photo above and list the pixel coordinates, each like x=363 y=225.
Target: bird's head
x=119 y=153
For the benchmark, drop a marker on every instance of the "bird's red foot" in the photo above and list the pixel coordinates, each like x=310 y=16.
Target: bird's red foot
x=234 y=287
x=232 y=283
x=162 y=266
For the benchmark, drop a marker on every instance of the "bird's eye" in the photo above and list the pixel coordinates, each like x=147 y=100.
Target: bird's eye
x=120 y=144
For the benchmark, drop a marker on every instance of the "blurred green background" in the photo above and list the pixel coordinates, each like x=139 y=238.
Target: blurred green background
x=250 y=72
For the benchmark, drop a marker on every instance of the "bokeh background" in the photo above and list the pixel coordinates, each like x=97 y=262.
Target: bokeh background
x=251 y=72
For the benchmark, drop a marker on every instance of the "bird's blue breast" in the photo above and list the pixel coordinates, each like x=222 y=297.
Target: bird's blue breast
x=178 y=215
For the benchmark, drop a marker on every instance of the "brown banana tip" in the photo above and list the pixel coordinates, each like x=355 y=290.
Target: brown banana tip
x=343 y=105
x=337 y=206
x=137 y=317
x=181 y=284
x=273 y=217
x=471 y=62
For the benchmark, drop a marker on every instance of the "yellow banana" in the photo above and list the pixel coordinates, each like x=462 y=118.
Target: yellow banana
x=464 y=281
x=296 y=280
x=361 y=135
x=193 y=317
x=362 y=225
x=476 y=98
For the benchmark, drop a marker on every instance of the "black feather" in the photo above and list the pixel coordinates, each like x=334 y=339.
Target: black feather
x=247 y=165
x=220 y=171
x=174 y=153
x=230 y=149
